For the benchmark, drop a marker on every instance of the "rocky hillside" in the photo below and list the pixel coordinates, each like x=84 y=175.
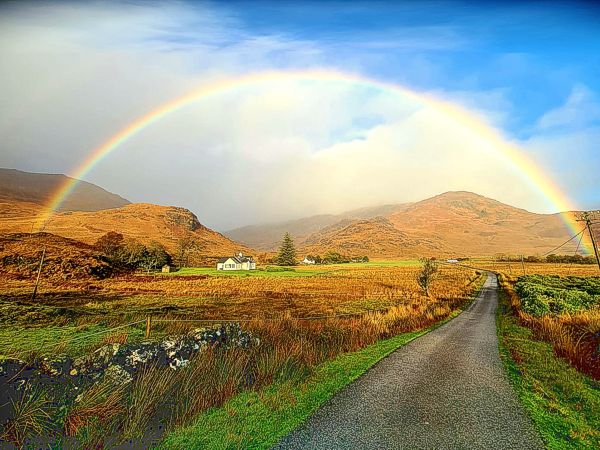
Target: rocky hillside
x=470 y=224
x=144 y=222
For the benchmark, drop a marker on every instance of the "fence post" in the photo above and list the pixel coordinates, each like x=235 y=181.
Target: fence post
x=39 y=273
x=148 y=324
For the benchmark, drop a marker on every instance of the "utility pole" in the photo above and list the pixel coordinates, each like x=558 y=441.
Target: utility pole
x=37 y=280
x=585 y=217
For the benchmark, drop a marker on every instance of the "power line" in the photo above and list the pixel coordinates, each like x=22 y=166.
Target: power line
x=576 y=252
x=586 y=217
x=566 y=242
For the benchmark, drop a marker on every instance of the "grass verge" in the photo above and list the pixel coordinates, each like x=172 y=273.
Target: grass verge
x=563 y=403
x=259 y=419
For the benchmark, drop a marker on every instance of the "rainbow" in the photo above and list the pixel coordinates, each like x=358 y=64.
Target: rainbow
x=458 y=117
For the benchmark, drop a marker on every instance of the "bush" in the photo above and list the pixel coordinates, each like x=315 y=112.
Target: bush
x=279 y=269
x=541 y=295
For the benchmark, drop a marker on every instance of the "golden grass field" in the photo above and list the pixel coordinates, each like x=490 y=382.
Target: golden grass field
x=516 y=269
x=385 y=299
x=305 y=292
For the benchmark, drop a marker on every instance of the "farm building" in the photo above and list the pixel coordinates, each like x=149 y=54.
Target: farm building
x=238 y=262
x=308 y=260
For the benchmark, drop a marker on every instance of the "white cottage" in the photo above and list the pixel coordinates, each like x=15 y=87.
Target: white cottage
x=238 y=262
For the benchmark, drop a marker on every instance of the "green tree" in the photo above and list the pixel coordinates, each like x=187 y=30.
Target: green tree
x=154 y=257
x=132 y=254
x=287 y=251
x=110 y=244
x=187 y=244
x=335 y=258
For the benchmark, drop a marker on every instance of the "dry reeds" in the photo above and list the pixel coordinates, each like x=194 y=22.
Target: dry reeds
x=32 y=417
x=151 y=388
x=101 y=404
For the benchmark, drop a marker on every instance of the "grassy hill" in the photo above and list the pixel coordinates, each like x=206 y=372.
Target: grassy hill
x=450 y=224
x=144 y=222
x=90 y=212
x=375 y=238
x=453 y=223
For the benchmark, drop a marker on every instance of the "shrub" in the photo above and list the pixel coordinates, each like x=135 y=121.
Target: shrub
x=541 y=295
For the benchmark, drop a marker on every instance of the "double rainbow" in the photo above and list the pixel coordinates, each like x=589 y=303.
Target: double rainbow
x=455 y=115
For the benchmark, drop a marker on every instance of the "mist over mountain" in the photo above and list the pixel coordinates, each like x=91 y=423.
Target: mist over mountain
x=453 y=223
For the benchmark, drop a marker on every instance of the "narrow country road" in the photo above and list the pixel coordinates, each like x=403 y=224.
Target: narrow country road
x=444 y=390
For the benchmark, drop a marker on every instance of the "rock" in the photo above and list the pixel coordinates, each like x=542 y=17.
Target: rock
x=117 y=375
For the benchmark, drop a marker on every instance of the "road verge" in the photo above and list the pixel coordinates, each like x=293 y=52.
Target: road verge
x=563 y=403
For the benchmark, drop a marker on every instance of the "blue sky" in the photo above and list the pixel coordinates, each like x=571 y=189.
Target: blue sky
x=535 y=52
x=73 y=73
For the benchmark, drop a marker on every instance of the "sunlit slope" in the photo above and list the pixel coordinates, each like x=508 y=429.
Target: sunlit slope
x=450 y=224
x=376 y=238
x=268 y=236
x=144 y=222
x=470 y=224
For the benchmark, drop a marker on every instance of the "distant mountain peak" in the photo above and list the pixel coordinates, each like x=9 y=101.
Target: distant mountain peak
x=40 y=188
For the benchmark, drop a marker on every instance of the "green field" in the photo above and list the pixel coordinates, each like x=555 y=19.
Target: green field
x=282 y=272
x=276 y=271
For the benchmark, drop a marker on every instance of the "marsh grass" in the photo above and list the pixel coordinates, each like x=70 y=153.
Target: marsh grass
x=32 y=417
x=289 y=350
x=98 y=407
x=150 y=390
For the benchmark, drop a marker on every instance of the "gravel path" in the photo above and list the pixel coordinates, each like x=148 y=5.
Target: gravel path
x=444 y=390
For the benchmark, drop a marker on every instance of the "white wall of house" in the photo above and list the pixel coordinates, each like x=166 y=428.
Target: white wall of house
x=248 y=265
x=230 y=264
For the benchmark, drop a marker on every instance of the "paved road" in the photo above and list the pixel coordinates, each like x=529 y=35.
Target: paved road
x=444 y=390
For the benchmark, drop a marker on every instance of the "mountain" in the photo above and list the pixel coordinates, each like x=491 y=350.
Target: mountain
x=450 y=224
x=38 y=188
x=268 y=236
x=372 y=237
x=94 y=211
x=141 y=221
x=470 y=224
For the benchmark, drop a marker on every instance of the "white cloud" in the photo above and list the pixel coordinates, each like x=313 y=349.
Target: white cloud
x=72 y=79
x=580 y=109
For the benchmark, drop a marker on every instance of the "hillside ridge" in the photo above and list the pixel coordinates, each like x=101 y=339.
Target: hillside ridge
x=40 y=188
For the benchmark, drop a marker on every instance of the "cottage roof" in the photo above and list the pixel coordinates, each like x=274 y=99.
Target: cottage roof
x=237 y=259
